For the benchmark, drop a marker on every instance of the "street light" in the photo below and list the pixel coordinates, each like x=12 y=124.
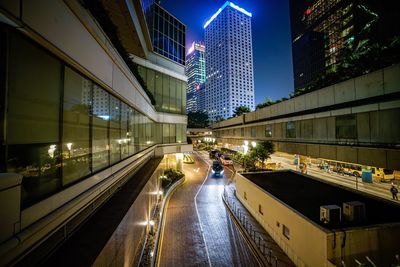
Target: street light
x=253 y=144
x=69 y=146
x=245 y=149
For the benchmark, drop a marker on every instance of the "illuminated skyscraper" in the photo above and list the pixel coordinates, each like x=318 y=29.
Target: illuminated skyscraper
x=229 y=61
x=196 y=73
x=327 y=33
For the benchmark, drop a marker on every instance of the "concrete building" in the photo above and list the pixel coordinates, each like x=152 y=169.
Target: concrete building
x=196 y=72
x=87 y=98
x=229 y=61
x=319 y=224
x=353 y=121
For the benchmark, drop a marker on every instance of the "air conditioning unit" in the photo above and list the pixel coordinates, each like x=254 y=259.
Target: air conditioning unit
x=330 y=214
x=354 y=211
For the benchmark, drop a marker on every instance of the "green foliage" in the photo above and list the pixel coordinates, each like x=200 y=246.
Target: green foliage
x=219 y=118
x=262 y=151
x=170 y=177
x=241 y=110
x=198 y=119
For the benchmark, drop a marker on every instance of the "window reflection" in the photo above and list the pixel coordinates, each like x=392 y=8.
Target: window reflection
x=101 y=116
x=76 y=129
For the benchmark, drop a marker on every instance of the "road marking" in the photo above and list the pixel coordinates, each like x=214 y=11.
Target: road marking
x=197 y=210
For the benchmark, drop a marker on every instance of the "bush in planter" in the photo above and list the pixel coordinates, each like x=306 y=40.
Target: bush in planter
x=170 y=176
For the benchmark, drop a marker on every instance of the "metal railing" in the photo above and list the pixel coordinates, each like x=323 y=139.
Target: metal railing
x=265 y=247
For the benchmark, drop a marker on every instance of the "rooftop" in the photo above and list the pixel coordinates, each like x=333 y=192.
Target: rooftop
x=306 y=195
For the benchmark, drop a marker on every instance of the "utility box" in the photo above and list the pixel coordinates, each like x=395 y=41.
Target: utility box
x=330 y=214
x=354 y=211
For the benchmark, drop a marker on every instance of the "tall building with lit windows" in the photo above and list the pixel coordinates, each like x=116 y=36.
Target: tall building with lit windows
x=195 y=70
x=229 y=61
x=326 y=33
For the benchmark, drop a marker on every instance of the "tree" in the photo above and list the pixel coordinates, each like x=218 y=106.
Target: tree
x=219 y=118
x=262 y=151
x=241 y=110
x=198 y=119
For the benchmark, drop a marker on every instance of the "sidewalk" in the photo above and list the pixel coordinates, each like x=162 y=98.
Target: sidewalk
x=267 y=247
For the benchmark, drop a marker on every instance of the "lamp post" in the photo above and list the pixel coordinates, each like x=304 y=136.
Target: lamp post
x=69 y=146
x=245 y=149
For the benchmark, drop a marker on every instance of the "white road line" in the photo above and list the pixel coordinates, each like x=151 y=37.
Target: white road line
x=197 y=210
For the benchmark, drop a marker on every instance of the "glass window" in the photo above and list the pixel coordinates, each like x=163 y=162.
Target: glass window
x=166 y=134
x=158 y=90
x=76 y=129
x=131 y=127
x=124 y=131
x=286 y=231
x=136 y=130
x=115 y=130
x=34 y=90
x=253 y=131
x=166 y=97
x=268 y=131
x=100 y=141
x=150 y=81
x=172 y=90
x=346 y=127
x=291 y=129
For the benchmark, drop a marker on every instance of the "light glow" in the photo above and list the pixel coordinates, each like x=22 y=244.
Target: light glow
x=227 y=3
x=191 y=49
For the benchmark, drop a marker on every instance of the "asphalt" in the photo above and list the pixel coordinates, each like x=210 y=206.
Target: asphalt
x=198 y=229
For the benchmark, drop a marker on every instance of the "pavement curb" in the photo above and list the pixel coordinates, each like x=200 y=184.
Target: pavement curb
x=160 y=229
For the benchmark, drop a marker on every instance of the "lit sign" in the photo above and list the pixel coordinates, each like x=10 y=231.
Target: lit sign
x=198 y=87
x=227 y=3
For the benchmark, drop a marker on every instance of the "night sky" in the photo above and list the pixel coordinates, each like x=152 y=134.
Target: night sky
x=272 y=49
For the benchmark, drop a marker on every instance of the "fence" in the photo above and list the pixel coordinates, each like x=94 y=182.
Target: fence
x=265 y=247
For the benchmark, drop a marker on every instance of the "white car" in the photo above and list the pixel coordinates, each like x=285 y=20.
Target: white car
x=225 y=160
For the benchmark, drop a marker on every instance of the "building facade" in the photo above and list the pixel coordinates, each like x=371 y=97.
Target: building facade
x=167 y=33
x=351 y=121
x=327 y=35
x=196 y=72
x=229 y=61
x=86 y=100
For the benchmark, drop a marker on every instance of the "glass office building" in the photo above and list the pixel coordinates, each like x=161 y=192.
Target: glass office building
x=195 y=69
x=326 y=33
x=69 y=127
x=229 y=61
x=167 y=33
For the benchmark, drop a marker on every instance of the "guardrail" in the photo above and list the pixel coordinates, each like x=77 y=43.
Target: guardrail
x=265 y=247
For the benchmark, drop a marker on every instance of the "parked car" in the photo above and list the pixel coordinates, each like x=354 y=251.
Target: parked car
x=225 y=160
x=213 y=154
x=217 y=168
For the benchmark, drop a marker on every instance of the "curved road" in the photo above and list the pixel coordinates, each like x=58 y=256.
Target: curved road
x=198 y=229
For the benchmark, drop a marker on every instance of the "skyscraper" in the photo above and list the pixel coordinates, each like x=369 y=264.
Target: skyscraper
x=325 y=33
x=229 y=61
x=196 y=72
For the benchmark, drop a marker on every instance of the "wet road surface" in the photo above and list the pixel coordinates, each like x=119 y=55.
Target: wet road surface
x=198 y=229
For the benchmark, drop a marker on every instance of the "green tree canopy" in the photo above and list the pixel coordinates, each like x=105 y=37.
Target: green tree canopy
x=241 y=110
x=198 y=119
x=262 y=151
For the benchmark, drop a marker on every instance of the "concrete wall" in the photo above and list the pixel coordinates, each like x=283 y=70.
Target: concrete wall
x=311 y=245
x=275 y=216
x=380 y=82
x=124 y=246
x=379 y=243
